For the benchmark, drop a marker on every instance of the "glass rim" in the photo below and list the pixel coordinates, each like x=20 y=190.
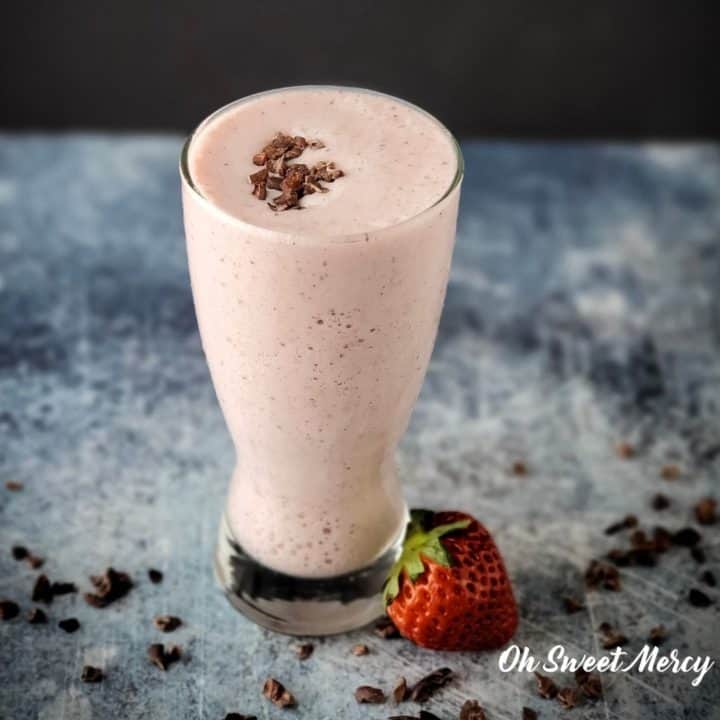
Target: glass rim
x=187 y=178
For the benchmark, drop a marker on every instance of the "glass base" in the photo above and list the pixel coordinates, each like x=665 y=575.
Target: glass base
x=301 y=606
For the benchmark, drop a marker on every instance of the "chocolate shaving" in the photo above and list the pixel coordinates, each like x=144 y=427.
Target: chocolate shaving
x=386 y=629
x=167 y=623
x=400 y=691
x=660 y=502
x=427 y=686
x=568 y=697
x=698 y=598
x=42 y=590
x=275 y=691
x=545 y=686
x=705 y=511
x=109 y=587
x=572 y=605
x=529 y=714
x=162 y=658
x=92 y=674
x=69 y=625
x=472 y=710
x=8 y=609
x=360 y=649
x=657 y=635
x=37 y=616
x=155 y=576
x=304 y=650
x=366 y=694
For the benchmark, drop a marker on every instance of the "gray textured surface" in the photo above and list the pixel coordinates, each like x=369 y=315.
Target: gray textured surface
x=583 y=308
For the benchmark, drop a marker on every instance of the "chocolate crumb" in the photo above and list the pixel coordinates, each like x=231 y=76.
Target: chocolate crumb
x=8 y=609
x=360 y=649
x=34 y=561
x=162 y=658
x=591 y=687
x=69 y=625
x=316 y=144
x=581 y=675
x=63 y=588
x=572 y=605
x=304 y=650
x=155 y=576
x=611 y=638
x=400 y=691
x=37 y=616
x=662 y=539
x=275 y=691
x=167 y=623
x=568 y=697
x=686 y=537
x=385 y=627
x=657 y=635
x=660 y=502
x=705 y=511
x=698 y=598
x=472 y=710
x=519 y=468
x=629 y=521
x=545 y=686
x=427 y=686
x=529 y=714
x=708 y=578
x=109 y=587
x=19 y=552
x=698 y=555
x=92 y=674
x=13 y=485
x=601 y=574
x=670 y=472
x=366 y=694
x=625 y=450
x=42 y=590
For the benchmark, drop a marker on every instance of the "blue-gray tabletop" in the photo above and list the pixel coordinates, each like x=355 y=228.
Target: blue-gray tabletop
x=583 y=311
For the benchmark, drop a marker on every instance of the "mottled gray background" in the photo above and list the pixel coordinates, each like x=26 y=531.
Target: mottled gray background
x=583 y=309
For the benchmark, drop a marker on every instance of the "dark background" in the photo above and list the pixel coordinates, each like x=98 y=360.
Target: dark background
x=529 y=68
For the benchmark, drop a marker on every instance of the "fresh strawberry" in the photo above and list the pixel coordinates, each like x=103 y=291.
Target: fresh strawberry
x=449 y=589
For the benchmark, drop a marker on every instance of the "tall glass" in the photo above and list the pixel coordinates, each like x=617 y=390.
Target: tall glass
x=317 y=347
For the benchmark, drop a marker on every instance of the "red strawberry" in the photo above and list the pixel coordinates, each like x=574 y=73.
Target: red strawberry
x=449 y=589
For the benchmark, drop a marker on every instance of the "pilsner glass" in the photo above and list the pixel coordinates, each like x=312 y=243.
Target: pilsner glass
x=317 y=347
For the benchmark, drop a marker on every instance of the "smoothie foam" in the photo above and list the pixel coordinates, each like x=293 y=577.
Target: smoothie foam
x=318 y=323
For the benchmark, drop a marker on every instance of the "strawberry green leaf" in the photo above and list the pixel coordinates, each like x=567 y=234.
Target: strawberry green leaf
x=421 y=545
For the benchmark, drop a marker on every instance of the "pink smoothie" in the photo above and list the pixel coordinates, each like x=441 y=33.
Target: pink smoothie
x=318 y=323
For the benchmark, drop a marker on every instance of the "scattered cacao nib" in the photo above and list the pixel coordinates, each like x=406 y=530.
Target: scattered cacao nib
x=304 y=650
x=601 y=574
x=259 y=159
x=360 y=649
x=286 y=200
x=625 y=450
x=403 y=717
x=8 y=609
x=581 y=675
x=568 y=697
x=529 y=714
x=545 y=686
x=258 y=181
x=572 y=605
x=34 y=561
x=276 y=693
x=662 y=539
x=629 y=521
x=427 y=686
x=239 y=716
x=686 y=537
x=611 y=638
x=63 y=588
x=92 y=674
x=670 y=472
x=109 y=587
x=37 y=616
x=42 y=590
x=638 y=539
x=400 y=691
x=386 y=629
x=316 y=144
x=162 y=658
x=705 y=511
x=708 y=578
x=274 y=182
x=326 y=171
x=660 y=502
x=619 y=557
x=155 y=576
x=69 y=625
x=591 y=687
x=13 y=485
x=427 y=715
x=19 y=552
x=519 y=468
x=366 y=694
x=472 y=710
x=167 y=623
x=698 y=555
x=657 y=635
x=698 y=598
